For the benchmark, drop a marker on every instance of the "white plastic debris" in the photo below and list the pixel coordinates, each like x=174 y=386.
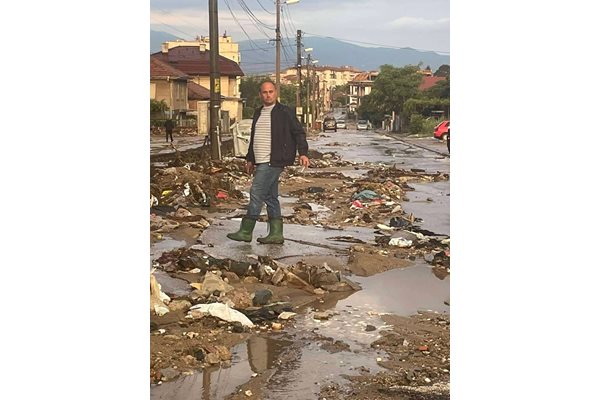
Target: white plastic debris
x=158 y=299
x=187 y=191
x=287 y=315
x=385 y=227
x=224 y=312
x=400 y=242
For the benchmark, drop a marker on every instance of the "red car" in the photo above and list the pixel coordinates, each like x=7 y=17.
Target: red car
x=442 y=130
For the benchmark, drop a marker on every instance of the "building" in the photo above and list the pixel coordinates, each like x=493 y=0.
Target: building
x=360 y=87
x=429 y=81
x=170 y=85
x=227 y=47
x=325 y=78
x=194 y=61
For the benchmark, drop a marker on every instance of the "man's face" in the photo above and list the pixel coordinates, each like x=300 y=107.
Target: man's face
x=268 y=94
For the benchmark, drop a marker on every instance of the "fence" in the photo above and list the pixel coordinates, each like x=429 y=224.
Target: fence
x=182 y=123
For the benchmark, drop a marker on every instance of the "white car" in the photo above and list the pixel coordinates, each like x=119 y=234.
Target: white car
x=340 y=124
x=362 y=125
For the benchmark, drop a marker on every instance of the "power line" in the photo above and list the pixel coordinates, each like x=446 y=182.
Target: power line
x=263 y=7
x=188 y=23
x=249 y=12
x=240 y=25
x=290 y=43
x=172 y=27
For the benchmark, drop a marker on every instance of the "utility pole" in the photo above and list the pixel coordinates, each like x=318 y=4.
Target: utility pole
x=277 y=47
x=307 y=92
x=314 y=96
x=298 y=72
x=215 y=80
x=278 y=40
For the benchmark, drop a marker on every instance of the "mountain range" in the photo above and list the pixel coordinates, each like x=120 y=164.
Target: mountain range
x=259 y=56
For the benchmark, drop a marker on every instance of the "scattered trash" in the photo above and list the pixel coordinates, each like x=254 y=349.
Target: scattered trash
x=262 y=297
x=384 y=227
x=399 y=222
x=346 y=239
x=356 y=204
x=366 y=195
x=400 y=242
x=182 y=213
x=322 y=315
x=222 y=195
x=315 y=189
x=212 y=283
x=287 y=315
x=224 y=312
x=276 y=326
x=158 y=299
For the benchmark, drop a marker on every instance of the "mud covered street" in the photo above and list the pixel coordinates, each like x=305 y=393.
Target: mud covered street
x=354 y=304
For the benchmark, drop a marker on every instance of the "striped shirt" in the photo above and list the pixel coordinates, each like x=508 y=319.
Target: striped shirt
x=262 y=136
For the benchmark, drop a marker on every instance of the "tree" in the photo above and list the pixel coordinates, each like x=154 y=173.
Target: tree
x=393 y=86
x=369 y=110
x=339 y=95
x=157 y=107
x=441 y=89
x=250 y=88
x=443 y=70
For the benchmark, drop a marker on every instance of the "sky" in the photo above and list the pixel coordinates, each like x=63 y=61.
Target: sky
x=419 y=24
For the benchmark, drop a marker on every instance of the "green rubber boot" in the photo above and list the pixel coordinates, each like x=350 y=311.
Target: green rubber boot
x=245 y=232
x=275 y=235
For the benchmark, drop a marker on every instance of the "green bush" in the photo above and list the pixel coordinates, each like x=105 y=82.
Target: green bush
x=415 y=125
x=422 y=126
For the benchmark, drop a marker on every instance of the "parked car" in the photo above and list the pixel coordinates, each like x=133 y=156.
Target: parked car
x=340 y=124
x=329 y=124
x=362 y=125
x=442 y=130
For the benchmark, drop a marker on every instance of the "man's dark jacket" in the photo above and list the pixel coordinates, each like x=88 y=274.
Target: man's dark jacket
x=287 y=136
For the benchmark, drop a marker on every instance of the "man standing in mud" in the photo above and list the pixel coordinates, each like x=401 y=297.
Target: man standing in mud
x=275 y=138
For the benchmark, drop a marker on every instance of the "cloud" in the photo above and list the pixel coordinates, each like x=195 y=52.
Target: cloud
x=419 y=23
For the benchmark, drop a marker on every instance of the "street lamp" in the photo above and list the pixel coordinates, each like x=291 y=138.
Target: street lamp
x=278 y=41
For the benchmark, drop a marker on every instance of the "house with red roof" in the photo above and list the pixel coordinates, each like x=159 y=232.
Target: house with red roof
x=194 y=62
x=170 y=85
x=359 y=87
x=429 y=81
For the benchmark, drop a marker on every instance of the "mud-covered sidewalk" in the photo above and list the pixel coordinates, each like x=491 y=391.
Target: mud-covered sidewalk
x=354 y=304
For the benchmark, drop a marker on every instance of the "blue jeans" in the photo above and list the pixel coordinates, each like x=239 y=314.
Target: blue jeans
x=265 y=189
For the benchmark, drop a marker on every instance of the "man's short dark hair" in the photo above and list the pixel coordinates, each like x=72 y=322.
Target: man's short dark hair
x=267 y=81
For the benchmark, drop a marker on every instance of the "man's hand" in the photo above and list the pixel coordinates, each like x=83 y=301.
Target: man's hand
x=304 y=161
x=249 y=167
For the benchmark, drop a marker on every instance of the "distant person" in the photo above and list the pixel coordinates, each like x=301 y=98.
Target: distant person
x=275 y=138
x=169 y=125
x=448 y=141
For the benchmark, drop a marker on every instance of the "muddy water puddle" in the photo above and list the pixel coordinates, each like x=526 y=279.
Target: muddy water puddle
x=255 y=356
x=431 y=203
x=300 y=361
